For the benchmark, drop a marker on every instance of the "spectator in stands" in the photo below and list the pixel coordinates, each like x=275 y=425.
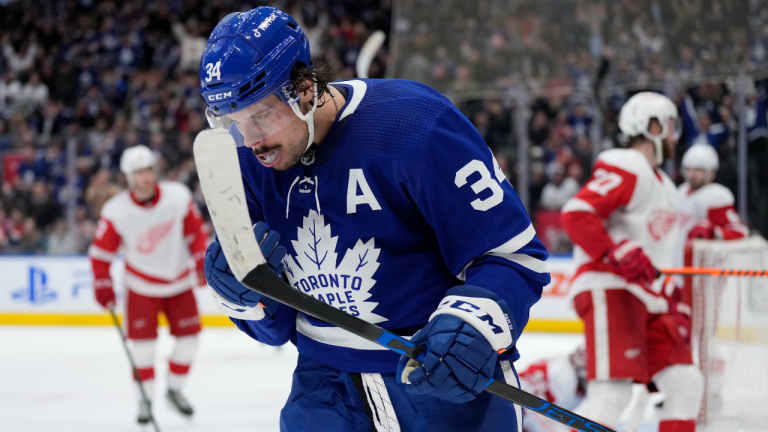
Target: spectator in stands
x=31 y=241
x=6 y=143
x=14 y=230
x=192 y=45
x=42 y=208
x=12 y=198
x=99 y=191
x=85 y=228
x=34 y=94
x=61 y=240
x=559 y=189
x=10 y=91
x=29 y=170
x=538 y=131
x=579 y=120
x=51 y=121
x=22 y=61
x=757 y=149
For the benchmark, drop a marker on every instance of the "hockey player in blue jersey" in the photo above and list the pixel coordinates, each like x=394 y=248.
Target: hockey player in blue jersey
x=390 y=207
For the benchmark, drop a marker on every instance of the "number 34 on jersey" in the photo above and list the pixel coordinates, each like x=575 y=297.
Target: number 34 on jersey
x=357 y=182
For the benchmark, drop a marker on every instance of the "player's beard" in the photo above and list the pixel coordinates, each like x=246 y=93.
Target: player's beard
x=290 y=154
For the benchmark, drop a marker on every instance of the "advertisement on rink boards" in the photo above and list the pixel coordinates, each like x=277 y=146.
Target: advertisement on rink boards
x=40 y=290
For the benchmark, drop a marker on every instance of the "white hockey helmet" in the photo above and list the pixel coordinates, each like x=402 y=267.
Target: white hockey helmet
x=137 y=158
x=636 y=114
x=701 y=156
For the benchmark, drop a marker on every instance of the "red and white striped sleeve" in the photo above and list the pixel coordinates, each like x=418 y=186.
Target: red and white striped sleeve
x=194 y=235
x=102 y=251
x=583 y=216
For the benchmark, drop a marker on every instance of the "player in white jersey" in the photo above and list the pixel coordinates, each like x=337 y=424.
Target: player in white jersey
x=561 y=380
x=706 y=207
x=624 y=225
x=157 y=228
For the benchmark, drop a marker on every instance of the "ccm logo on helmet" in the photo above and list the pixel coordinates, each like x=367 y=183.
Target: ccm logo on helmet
x=220 y=96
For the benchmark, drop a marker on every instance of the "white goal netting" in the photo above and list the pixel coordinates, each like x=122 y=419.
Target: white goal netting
x=730 y=335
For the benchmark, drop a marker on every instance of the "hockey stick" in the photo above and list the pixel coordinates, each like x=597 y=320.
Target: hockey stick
x=368 y=53
x=221 y=181
x=136 y=375
x=715 y=272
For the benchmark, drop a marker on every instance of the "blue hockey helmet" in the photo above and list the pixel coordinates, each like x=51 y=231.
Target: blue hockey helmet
x=248 y=58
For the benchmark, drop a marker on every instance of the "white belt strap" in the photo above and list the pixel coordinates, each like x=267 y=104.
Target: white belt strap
x=383 y=412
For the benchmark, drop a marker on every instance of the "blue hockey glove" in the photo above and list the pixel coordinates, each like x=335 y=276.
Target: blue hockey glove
x=461 y=340
x=224 y=283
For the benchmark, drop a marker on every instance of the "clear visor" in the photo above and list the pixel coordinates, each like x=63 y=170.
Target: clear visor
x=257 y=122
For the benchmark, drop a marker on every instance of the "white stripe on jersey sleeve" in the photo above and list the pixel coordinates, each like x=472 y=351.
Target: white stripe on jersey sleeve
x=508 y=249
x=336 y=336
x=100 y=254
x=577 y=204
x=526 y=261
x=516 y=243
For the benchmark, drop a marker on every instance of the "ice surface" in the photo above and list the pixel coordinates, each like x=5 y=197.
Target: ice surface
x=77 y=379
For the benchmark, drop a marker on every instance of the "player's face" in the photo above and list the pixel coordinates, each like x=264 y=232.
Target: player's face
x=144 y=182
x=696 y=177
x=283 y=149
x=262 y=119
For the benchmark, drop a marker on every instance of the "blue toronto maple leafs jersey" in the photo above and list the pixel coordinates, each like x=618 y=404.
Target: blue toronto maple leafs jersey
x=400 y=202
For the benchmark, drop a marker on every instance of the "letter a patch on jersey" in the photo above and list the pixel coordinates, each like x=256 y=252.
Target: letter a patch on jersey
x=357 y=181
x=313 y=269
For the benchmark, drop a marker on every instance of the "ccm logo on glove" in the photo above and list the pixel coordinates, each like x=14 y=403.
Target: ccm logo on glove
x=483 y=314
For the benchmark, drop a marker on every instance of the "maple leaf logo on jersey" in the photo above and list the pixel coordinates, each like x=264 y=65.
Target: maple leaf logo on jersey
x=314 y=271
x=153 y=236
x=661 y=223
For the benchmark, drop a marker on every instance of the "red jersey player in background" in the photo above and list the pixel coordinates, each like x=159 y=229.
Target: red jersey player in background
x=561 y=380
x=157 y=227
x=624 y=224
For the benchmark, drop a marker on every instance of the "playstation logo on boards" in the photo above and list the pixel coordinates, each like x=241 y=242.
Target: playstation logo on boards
x=38 y=292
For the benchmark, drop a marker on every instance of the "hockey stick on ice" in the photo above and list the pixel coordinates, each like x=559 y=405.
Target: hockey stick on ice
x=136 y=375
x=221 y=181
x=716 y=272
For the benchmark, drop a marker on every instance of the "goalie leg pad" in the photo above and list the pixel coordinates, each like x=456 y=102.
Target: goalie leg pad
x=683 y=388
x=605 y=401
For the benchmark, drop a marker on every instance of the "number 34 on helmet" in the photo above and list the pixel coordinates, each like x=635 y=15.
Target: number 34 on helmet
x=248 y=59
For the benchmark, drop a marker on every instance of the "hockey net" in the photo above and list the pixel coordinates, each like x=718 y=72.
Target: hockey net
x=730 y=335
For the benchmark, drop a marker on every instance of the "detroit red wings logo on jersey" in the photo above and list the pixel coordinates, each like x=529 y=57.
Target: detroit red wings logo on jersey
x=661 y=222
x=153 y=236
